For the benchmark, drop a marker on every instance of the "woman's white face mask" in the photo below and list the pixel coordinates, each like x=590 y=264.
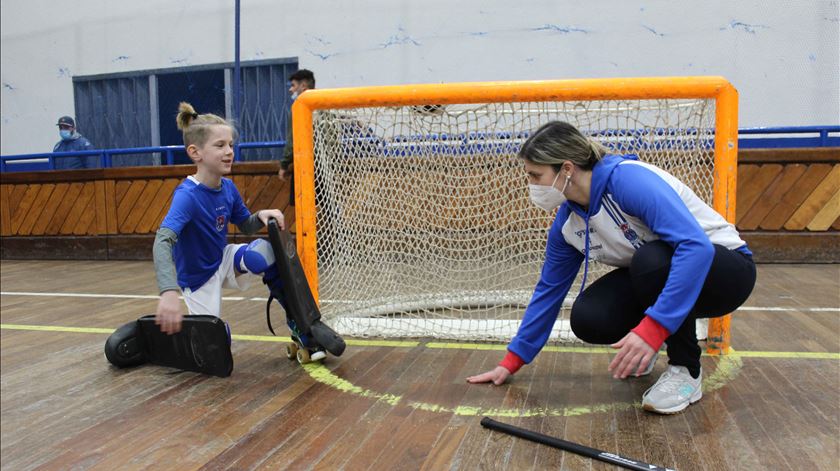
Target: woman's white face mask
x=548 y=197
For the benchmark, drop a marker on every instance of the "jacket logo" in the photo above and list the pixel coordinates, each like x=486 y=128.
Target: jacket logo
x=220 y=222
x=630 y=235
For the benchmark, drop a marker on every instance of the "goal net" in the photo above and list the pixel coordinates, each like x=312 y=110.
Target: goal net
x=423 y=225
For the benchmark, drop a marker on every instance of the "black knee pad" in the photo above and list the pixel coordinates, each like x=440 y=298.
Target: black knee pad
x=124 y=348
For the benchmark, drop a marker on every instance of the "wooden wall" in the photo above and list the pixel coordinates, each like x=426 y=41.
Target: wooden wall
x=788 y=204
x=109 y=213
x=788 y=207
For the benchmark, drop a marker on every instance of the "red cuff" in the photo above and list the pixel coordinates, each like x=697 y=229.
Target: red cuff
x=651 y=332
x=512 y=362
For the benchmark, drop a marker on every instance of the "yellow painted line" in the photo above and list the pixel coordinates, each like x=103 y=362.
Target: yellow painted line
x=259 y=338
x=320 y=373
x=561 y=349
x=353 y=342
x=383 y=343
x=728 y=368
x=55 y=328
x=501 y=347
x=805 y=355
x=434 y=345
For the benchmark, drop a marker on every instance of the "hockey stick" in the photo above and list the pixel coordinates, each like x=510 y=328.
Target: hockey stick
x=570 y=446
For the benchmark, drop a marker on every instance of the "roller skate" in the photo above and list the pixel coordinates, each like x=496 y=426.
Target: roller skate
x=303 y=348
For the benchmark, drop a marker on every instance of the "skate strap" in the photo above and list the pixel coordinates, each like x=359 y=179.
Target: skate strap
x=268 y=314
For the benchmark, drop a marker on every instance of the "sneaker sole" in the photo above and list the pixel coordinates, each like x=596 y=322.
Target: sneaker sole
x=676 y=409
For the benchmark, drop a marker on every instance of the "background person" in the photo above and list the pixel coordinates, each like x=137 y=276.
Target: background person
x=299 y=82
x=71 y=141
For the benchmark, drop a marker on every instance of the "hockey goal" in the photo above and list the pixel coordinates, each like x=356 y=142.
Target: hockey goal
x=413 y=216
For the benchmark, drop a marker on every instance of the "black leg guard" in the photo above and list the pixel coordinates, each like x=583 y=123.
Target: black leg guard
x=123 y=348
x=202 y=345
x=299 y=303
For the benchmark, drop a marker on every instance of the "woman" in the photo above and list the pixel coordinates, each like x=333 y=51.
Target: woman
x=677 y=260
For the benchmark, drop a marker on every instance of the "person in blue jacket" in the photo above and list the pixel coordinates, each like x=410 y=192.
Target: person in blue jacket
x=71 y=141
x=677 y=260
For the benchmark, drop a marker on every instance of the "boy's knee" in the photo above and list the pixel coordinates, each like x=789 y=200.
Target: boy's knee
x=256 y=257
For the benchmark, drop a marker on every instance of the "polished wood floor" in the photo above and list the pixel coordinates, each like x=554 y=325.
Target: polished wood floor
x=775 y=404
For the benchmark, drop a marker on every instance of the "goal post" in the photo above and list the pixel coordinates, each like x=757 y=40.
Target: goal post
x=364 y=157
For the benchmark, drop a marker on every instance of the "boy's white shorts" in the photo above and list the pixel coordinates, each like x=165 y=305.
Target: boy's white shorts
x=208 y=298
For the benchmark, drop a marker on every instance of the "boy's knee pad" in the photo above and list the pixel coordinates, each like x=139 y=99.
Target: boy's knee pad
x=256 y=257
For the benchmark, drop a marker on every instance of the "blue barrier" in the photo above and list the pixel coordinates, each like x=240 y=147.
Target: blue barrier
x=822 y=138
x=459 y=144
x=46 y=160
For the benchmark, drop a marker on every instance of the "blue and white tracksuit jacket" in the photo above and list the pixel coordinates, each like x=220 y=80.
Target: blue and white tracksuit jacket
x=631 y=203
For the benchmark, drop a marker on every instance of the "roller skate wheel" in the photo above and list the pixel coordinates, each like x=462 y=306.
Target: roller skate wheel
x=319 y=355
x=303 y=356
x=291 y=351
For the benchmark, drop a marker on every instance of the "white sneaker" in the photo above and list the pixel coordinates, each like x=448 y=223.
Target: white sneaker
x=702 y=328
x=674 y=391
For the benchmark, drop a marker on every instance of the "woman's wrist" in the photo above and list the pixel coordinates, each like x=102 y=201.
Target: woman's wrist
x=512 y=362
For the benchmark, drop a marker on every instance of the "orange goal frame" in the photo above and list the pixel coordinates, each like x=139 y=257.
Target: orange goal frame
x=717 y=88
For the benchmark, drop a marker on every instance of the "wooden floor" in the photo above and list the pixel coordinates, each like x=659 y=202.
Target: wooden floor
x=773 y=405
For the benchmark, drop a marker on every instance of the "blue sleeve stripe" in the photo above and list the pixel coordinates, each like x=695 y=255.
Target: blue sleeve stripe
x=612 y=209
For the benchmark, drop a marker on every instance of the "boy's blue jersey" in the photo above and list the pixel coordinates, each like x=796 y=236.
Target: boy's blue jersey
x=199 y=215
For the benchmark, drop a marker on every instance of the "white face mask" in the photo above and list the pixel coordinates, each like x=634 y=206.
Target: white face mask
x=547 y=197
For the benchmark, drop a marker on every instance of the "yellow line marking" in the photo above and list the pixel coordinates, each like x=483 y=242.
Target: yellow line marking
x=353 y=342
x=804 y=355
x=728 y=367
x=383 y=343
x=259 y=338
x=562 y=349
x=435 y=345
x=55 y=328
x=501 y=347
x=250 y=338
x=320 y=373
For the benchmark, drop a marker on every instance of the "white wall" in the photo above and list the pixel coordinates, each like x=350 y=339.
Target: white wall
x=782 y=55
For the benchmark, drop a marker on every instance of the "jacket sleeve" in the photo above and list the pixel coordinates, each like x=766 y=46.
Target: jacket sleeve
x=562 y=262
x=165 y=274
x=288 y=156
x=660 y=207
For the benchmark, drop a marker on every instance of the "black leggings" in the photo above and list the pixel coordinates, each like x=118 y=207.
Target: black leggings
x=615 y=303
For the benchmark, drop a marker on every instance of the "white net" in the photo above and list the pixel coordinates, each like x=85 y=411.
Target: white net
x=424 y=226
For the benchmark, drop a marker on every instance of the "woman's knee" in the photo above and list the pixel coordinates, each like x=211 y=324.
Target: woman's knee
x=587 y=322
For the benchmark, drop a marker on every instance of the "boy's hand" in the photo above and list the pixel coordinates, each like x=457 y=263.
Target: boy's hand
x=168 y=315
x=265 y=214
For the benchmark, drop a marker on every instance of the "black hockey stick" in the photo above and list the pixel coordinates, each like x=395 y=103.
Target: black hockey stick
x=593 y=453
